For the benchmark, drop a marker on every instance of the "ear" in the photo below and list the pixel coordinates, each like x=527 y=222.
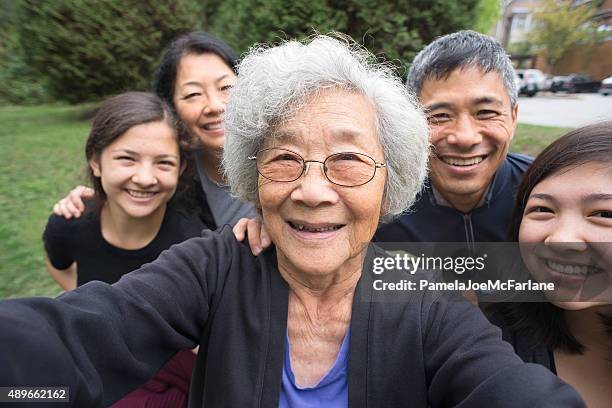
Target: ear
x=183 y=167
x=95 y=167
x=514 y=119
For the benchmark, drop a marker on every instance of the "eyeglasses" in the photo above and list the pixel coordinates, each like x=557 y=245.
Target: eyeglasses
x=346 y=169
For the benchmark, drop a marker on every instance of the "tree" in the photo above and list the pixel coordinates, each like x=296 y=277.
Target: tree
x=558 y=26
x=487 y=14
x=89 y=49
x=396 y=30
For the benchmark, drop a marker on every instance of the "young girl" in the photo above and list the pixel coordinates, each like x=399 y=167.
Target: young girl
x=195 y=75
x=135 y=162
x=563 y=220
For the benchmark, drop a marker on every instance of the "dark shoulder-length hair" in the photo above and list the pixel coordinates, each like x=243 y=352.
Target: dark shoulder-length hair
x=543 y=322
x=117 y=115
x=195 y=42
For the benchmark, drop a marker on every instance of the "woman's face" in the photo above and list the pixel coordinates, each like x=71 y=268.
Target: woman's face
x=318 y=226
x=569 y=214
x=201 y=93
x=139 y=171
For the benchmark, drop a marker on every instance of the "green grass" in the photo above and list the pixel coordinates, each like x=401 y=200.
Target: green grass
x=41 y=151
x=531 y=139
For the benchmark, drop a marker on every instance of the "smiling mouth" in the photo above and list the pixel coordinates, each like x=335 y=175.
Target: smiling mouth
x=456 y=161
x=141 y=194
x=573 y=269
x=213 y=126
x=315 y=228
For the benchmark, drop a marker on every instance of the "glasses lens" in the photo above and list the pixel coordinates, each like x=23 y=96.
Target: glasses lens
x=279 y=164
x=350 y=169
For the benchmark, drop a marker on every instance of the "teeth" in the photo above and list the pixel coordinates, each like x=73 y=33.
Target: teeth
x=141 y=194
x=213 y=126
x=582 y=270
x=462 y=162
x=301 y=227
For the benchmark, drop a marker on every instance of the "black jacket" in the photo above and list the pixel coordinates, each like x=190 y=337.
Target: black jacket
x=101 y=340
x=428 y=221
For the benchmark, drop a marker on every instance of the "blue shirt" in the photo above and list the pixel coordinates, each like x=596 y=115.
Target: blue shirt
x=331 y=391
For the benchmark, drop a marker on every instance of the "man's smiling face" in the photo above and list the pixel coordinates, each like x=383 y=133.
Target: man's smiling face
x=472 y=125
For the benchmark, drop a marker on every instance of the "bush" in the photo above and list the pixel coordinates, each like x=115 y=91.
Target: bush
x=397 y=30
x=89 y=49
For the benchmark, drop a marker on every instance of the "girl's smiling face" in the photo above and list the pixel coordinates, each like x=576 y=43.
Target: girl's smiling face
x=569 y=214
x=139 y=171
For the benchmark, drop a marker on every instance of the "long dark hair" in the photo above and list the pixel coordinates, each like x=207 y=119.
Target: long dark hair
x=543 y=322
x=195 y=42
x=116 y=116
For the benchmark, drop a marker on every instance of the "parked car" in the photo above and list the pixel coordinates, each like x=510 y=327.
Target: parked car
x=574 y=83
x=606 y=86
x=532 y=81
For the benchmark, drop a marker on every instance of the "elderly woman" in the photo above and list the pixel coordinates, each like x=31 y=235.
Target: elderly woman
x=325 y=143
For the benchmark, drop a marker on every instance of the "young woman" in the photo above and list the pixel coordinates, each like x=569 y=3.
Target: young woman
x=194 y=77
x=135 y=161
x=563 y=220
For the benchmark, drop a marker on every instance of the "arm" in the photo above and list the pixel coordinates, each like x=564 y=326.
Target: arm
x=66 y=278
x=469 y=365
x=104 y=340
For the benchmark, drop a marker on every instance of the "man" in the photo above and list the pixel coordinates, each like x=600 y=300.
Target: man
x=465 y=82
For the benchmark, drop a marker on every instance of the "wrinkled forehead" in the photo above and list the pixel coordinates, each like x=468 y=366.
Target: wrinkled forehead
x=332 y=116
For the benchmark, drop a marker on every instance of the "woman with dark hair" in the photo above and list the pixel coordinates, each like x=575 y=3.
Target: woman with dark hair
x=135 y=157
x=194 y=77
x=563 y=221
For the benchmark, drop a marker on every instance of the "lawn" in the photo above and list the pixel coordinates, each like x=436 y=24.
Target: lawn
x=42 y=156
x=41 y=151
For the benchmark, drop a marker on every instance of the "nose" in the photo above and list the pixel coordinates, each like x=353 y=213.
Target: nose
x=313 y=188
x=215 y=104
x=566 y=235
x=464 y=134
x=144 y=176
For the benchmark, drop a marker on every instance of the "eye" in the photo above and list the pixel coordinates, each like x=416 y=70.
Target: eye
x=191 y=95
x=438 y=118
x=226 y=88
x=286 y=156
x=166 y=163
x=486 y=114
x=538 y=209
x=125 y=158
x=347 y=156
x=602 y=214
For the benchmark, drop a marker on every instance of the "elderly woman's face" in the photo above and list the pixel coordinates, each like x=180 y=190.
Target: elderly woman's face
x=318 y=226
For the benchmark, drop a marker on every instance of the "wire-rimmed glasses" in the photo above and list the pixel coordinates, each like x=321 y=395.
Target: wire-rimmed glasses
x=347 y=169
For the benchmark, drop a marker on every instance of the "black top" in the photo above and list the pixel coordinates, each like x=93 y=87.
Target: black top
x=428 y=221
x=80 y=240
x=420 y=350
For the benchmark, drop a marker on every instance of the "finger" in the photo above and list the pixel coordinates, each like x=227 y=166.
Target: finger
x=240 y=228
x=74 y=211
x=64 y=210
x=56 y=209
x=253 y=229
x=76 y=199
x=266 y=241
x=87 y=193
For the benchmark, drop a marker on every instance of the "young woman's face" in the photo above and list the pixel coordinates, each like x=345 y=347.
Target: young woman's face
x=570 y=215
x=201 y=93
x=139 y=171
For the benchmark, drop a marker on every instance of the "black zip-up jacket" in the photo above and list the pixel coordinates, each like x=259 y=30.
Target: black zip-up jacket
x=428 y=221
x=418 y=350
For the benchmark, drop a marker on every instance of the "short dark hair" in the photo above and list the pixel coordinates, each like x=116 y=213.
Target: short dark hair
x=544 y=323
x=459 y=50
x=195 y=42
x=118 y=114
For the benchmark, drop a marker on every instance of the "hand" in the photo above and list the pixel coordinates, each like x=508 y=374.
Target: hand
x=258 y=236
x=72 y=205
